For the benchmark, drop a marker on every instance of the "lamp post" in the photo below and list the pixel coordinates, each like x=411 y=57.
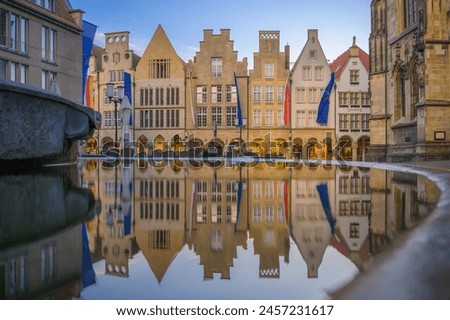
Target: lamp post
x=116 y=99
x=126 y=114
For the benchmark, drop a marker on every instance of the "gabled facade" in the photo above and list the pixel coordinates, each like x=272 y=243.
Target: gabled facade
x=268 y=79
x=160 y=90
x=212 y=100
x=109 y=65
x=309 y=77
x=351 y=70
x=41 y=45
x=409 y=79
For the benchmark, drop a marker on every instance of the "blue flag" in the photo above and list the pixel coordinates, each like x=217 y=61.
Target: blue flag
x=324 y=106
x=88 y=277
x=88 y=41
x=127 y=91
x=240 y=123
x=239 y=199
x=322 y=189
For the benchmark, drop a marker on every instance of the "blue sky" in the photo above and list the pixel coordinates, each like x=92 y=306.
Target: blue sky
x=184 y=21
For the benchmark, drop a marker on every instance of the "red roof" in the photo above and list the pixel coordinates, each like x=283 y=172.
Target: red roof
x=339 y=64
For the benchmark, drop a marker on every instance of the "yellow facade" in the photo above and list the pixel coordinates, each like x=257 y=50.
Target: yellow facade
x=410 y=90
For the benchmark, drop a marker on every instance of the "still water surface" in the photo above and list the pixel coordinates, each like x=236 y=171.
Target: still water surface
x=176 y=230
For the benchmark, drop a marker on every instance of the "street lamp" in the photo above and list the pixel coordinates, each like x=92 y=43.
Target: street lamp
x=126 y=115
x=115 y=99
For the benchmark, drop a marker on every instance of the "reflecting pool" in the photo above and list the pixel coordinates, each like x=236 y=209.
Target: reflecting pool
x=199 y=230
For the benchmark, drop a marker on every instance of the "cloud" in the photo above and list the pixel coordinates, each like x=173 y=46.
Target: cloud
x=137 y=48
x=99 y=39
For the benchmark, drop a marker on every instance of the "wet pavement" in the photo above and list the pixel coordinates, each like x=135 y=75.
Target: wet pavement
x=418 y=266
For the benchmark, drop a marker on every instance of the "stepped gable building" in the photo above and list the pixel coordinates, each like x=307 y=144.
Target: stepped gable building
x=351 y=70
x=109 y=65
x=268 y=79
x=309 y=77
x=41 y=44
x=212 y=100
x=160 y=90
x=409 y=80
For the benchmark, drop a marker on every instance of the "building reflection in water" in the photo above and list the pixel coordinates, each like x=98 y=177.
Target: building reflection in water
x=41 y=238
x=159 y=208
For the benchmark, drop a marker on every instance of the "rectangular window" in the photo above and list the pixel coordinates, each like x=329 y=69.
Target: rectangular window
x=159 y=68
x=269 y=70
x=301 y=118
x=145 y=119
x=354 y=99
x=365 y=208
x=48 y=263
x=280 y=94
x=159 y=120
x=318 y=73
x=269 y=186
x=306 y=73
x=48 y=44
x=231 y=94
x=202 y=117
x=365 y=122
x=216 y=67
x=300 y=95
x=52 y=46
x=354 y=230
x=312 y=95
x=46 y=4
x=354 y=76
x=343 y=99
x=14 y=31
x=257 y=118
x=269 y=94
x=312 y=116
x=343 y=184
x=344 y=208
x=44 y=41
x=354 y=122
x=257 y=213
x=343 y=122
x=14 y=71
x=107 y=119
x=202 y=94
x=365 y=99
x=120 y=74
x=280 y=118
x=216 y=116
x=257 y=94
x=3 y=68
x=24 y=35
x=216 y=94
x=269 y=118
x=3 y=28
x=23 y=73
x=231 y=116
x=159 y=96
x=216 y=240
x=112 y=76
x=173 y=96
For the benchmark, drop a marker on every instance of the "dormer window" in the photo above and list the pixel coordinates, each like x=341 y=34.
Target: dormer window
x=46 y=4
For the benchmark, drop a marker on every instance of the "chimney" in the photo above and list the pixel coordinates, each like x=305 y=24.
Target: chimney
x=287 y=57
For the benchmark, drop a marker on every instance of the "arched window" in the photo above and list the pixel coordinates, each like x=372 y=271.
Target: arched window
x=400 y=94
x=414 y=90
